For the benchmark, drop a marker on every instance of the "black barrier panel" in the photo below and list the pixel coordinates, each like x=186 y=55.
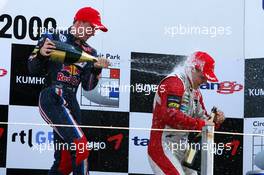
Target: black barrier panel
x=147 y=70
x=254 y=91
x=24 y=88
x=25 y=172
x=109 y=146
x=3 y=134
x=229 y=148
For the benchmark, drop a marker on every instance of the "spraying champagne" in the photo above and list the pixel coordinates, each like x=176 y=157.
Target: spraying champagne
x=66 y=53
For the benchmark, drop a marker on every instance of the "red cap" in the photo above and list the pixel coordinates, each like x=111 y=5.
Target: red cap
x=88 y=14
x=206 y=64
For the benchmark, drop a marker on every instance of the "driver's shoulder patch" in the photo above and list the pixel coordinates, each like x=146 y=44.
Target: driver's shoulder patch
x=173 y=101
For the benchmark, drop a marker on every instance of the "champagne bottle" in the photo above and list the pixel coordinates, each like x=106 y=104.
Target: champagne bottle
x=192 y=157
x=66 y=53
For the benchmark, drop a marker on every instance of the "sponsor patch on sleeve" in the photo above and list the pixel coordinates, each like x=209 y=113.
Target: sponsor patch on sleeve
x=173 y=101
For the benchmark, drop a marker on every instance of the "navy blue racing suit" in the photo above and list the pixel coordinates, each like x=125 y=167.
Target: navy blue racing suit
x=58 y=103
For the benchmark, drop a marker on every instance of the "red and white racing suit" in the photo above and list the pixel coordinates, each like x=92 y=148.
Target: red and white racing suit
x=176 y=105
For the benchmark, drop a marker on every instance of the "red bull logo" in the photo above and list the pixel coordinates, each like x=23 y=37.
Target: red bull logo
x=72 y=70
x=69 y=79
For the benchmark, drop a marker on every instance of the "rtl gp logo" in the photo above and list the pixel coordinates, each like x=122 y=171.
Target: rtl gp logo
x=3 y=72
x=225 y=87
x=27 y=136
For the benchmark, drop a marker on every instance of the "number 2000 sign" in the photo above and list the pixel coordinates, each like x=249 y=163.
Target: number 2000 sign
x=21 y=26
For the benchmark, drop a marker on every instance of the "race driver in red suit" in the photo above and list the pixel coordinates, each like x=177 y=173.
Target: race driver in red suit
x=178 y=104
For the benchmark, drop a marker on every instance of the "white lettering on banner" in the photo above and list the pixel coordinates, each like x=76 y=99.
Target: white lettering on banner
x=99 y=145
x=29 y=80
x=256 y=92
x=148 y=88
